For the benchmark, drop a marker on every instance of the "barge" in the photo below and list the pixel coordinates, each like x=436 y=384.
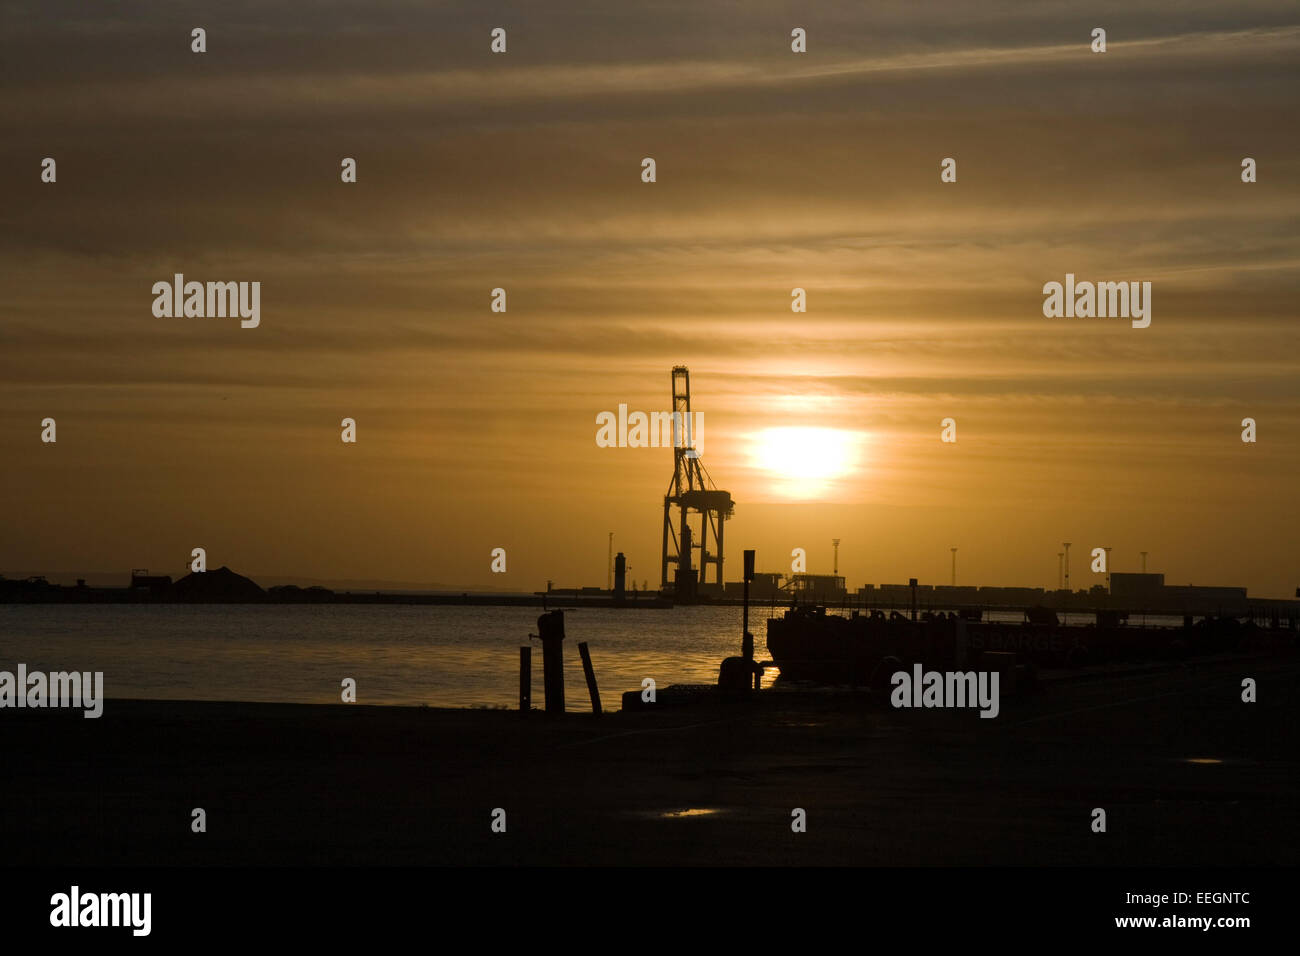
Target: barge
x=862 y=649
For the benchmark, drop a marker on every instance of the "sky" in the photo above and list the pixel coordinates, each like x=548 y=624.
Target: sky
x=774 y=170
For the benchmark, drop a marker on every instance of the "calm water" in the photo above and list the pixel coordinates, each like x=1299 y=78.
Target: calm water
x=441 y=656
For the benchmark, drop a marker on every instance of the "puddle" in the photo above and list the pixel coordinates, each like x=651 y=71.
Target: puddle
x=680 y=813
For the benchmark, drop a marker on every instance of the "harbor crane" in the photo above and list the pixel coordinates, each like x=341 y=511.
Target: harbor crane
x=698 y=502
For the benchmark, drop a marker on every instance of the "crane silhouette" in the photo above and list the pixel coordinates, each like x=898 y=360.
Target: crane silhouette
x=693 y=493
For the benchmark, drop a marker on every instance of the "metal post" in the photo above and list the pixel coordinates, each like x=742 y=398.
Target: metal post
x=525 y=679
x=747 y=639
x=591 y=677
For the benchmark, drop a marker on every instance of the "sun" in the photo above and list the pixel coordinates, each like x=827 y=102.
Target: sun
x=805 y=462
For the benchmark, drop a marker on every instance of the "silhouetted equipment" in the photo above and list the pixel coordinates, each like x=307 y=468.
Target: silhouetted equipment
x=1041 y=617
x=525 y=679
x=550 y=628
x=684 y=580
x=739 y=675
x=817 y=588
x=693 y=493
x=591 y=677
x=620 y=577
x=735 y=676
x=1137 y=589
x=156 y=583
x=911 y=583
x=808 y=643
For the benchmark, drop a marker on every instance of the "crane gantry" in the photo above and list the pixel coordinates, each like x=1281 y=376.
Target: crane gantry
x=692 y=492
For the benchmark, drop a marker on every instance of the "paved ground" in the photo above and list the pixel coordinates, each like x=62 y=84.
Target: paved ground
x=350 y=784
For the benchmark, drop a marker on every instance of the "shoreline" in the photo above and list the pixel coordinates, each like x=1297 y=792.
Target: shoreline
x=1204 y=780
x=676 y=695
x=1255 y=608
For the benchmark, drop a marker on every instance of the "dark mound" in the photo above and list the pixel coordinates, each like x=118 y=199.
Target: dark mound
x=219 y=586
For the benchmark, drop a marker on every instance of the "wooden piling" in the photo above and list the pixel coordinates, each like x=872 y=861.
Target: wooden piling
x=746 y=638
x=525 y=679
x=591 y=677
x=550 y=628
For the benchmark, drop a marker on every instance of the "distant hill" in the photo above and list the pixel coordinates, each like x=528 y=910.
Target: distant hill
x=118 y=579
x=221 y=585
x=384 y=584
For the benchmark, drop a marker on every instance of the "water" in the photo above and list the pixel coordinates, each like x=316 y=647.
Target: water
x=443 y=656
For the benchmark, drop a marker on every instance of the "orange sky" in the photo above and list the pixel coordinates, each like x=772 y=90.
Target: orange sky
x=775 y=170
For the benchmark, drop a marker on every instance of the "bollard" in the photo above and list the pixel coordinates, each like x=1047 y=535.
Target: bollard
x=747 y=639
x=550 y=628
x=525 y=679
x=591 y=677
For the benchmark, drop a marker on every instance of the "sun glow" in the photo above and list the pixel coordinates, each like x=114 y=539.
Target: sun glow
x=805 y=462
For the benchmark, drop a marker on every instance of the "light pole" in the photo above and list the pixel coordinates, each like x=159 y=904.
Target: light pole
x=954 y=566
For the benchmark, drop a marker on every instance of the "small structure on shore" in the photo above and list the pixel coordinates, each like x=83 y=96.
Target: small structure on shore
x=550 y=631
x=739 y=675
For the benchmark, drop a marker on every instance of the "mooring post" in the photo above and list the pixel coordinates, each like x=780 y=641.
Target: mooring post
x=525 y=679
x=747 y=639
x=550 y=628
x=591 y=678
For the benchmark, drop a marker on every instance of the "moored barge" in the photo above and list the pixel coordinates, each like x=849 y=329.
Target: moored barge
x=807 y=643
